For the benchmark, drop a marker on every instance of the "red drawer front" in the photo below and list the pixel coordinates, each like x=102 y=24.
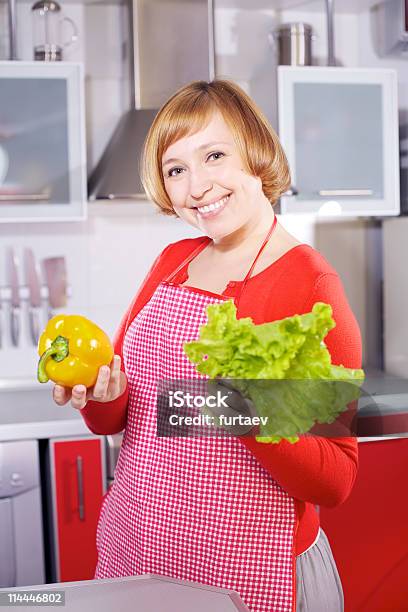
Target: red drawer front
x=76 y=537
x=368 y=533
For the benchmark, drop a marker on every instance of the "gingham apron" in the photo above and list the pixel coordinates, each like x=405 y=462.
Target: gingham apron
x=199 y=508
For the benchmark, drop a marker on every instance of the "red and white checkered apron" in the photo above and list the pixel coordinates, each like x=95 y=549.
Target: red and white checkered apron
x=198 y=508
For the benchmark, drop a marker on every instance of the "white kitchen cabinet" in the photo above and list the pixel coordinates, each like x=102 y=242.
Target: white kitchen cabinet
x=339 y=129
x=42 y=142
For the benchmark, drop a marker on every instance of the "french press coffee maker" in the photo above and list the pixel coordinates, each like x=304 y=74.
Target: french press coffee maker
x=48 y=25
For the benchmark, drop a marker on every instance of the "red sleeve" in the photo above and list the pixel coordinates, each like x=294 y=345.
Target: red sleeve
x=315 y=469
x=110 y=417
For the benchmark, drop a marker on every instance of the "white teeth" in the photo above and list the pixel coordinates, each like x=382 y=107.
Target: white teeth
x=209 y=207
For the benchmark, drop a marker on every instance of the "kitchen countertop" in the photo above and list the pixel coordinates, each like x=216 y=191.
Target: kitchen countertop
x=28 y=412
x=383 y=407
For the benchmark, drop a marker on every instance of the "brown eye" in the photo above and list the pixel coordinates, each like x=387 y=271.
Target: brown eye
x=217 y=155
x=174 y=172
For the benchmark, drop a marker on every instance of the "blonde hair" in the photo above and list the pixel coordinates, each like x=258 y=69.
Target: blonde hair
x=189 y=110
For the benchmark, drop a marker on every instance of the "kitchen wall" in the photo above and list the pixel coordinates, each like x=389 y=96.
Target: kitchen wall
x=107 y=258
x=108 y=255
x=102 y=45
x=103 y=39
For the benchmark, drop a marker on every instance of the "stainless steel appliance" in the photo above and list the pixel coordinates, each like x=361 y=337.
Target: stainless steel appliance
x=392 y=27
x=21 y=527
x=395 y=295
x=160 y=63
x=113 y=445
x=32 y=278
x=48 y=26
x=147 y=593
x=294 y=43
x=13 y=278
x=55 y=273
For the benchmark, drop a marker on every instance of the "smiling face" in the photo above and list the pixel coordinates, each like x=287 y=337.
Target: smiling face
x=208 y=185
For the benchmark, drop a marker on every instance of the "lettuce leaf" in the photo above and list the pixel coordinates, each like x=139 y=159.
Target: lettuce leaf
x=260 y=357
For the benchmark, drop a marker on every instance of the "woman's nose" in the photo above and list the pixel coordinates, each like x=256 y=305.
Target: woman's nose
x=200 y=183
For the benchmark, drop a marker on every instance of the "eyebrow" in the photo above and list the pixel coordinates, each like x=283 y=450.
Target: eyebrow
x=206 y=145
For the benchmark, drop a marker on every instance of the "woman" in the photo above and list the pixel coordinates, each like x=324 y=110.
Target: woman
x=225 y=511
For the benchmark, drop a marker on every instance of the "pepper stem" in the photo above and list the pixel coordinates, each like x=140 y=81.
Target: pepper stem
x=58 y=351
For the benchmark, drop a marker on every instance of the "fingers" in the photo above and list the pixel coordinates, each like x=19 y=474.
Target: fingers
x=225 y=382
x=114 y=383
x=102 y=382
x=78 y=397
x=229 y=396
x=61 y=395
x=107 y=386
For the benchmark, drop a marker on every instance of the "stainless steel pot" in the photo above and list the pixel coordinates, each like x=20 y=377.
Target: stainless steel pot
x=294 y=44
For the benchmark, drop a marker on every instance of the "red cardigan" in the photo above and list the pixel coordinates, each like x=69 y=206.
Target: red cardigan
x=315 y=470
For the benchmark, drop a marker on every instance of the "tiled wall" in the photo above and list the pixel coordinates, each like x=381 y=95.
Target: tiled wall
x=243 y=53
x=107 y=258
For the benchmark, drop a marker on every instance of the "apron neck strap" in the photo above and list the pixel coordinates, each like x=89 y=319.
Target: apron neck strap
x=237 y=298
x=263 y=245
x=201 y=246
x=187 y=259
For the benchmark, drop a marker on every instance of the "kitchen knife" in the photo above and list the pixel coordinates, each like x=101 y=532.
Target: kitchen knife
x=56 y=279
x=12 y=272
x=33 y=282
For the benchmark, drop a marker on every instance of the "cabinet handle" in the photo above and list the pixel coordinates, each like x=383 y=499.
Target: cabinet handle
x=345 y=192
x=26 y=197
x=80 y=478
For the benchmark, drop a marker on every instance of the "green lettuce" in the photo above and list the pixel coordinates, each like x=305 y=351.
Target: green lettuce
x=261 y=357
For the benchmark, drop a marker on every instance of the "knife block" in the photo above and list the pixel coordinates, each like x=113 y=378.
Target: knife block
x=22 y=312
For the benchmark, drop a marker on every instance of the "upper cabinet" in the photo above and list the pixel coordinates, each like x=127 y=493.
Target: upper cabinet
x=42 y=142
x=339 y=129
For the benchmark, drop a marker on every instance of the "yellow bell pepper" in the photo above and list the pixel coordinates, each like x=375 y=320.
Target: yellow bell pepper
x=72 y=350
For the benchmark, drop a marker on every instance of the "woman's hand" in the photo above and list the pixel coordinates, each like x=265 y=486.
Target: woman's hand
x=110 y=384
x=237 y=405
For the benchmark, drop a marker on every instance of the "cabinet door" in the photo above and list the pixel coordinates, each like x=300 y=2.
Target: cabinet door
x=368 y=533
x=339 y=129
x=42 y=142
x=77 y=473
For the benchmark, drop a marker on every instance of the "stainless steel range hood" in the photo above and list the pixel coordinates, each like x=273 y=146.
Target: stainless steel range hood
x=392 y=27
x=173 y=44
